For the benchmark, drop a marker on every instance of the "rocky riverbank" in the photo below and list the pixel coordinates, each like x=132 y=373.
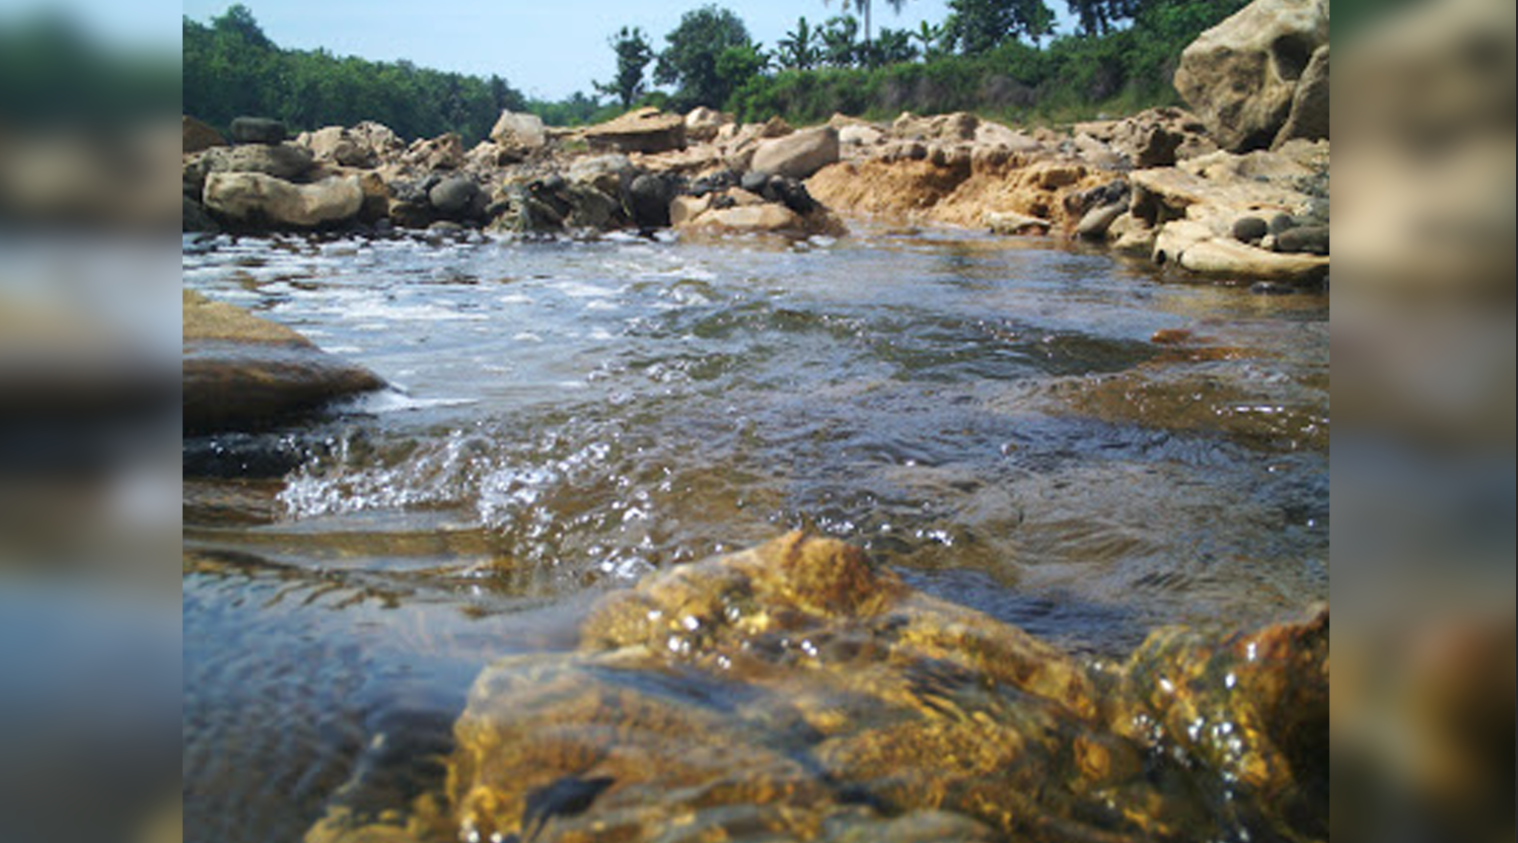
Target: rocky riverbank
x=1236 y=188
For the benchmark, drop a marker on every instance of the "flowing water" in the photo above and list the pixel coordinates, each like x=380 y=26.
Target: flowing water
x=1061 y=440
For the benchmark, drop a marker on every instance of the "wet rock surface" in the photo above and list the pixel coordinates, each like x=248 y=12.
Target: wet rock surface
x=244 y=372
x=799 y=691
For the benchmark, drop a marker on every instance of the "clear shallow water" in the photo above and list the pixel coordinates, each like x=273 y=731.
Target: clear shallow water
x=991 y=417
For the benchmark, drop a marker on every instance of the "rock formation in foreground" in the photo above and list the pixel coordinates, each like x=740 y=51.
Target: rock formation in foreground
x=801 y=692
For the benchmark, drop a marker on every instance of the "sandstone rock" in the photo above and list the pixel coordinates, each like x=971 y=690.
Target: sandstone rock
x=243 y=372
x=519 y=134
x=1241 y=76
x=702 y=123
x=960 y=126
x=258 y=130
x=606 y=173
x=799 y=155
x=444 y=152
x=1006 y=222
x=379 y=139
x=282 y=161
x=686 y=208
x=646 y=130
x=1226 y=258
x=1158 y=137
x=258 y=200
x=860 y=135
x=800 y=691
x=989 y=134
x=1308 y=119
x=339 y=146
x=199 y=136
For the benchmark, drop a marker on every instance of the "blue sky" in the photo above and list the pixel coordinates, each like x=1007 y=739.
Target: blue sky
x=545 y=48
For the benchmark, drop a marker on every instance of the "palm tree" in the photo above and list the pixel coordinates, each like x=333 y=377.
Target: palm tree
x=863 y=7
x=796 y=50
x=929 y=36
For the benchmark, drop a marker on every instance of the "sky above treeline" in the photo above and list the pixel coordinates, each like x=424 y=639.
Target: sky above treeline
x=547 y=49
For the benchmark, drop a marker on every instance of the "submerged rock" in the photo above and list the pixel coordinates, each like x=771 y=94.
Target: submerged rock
x=799 y=691
x=243 y=372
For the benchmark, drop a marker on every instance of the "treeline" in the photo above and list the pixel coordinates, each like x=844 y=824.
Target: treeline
x=999 y=69
x=231 y=68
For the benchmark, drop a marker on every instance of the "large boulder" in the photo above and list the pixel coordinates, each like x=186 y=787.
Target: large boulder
x=340 y=146
x=1158 y=137
x=646 y=130
x=243 y=372
x=1309 y=105
x=282 y=161
x=444 y=152
x=519 y=135
x=386 y=145
x=799 y=155
x=455 y=198
x=258 y=200
x=199 y=136
x=258 y=130
x=1241 y=76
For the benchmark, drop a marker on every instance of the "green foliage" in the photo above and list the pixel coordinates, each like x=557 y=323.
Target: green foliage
x=798 y=49
x=633 y=56
x=577 y=109
x=979 y=26
x=231 y=68
x=690 y=59
x=1072 y=77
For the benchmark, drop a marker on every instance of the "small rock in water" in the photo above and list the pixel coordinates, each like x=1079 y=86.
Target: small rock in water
x=1250 y=230
x=1271 y=288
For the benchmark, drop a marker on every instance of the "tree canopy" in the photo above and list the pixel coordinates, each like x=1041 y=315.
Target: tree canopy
x=690 y=60
x=231 y=68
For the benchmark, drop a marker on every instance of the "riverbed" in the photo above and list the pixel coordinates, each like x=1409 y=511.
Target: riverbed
x=1065 y=441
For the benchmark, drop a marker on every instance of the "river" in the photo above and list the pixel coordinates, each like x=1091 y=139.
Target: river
x=1062 y=440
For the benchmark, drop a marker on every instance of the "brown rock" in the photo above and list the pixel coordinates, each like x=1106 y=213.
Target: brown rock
x=241 y=372
x=258 y=200
x=1309 y=104
x=1241 y=76
x=200 y=136
x=799 y=155
x=646 y=130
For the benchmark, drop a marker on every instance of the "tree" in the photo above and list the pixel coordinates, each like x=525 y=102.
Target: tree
x=980 y=26
x=797 y=50
x=893 y=46
x=633 y=56
x=238 y=20
x=1098 y=17
x=929 y=40
x=840 y=40
x=689 y=60
x=863 y=8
